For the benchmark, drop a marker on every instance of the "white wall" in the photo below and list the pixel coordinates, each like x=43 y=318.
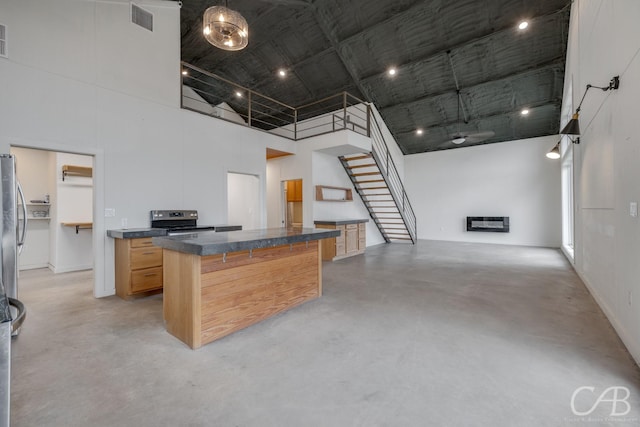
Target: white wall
x=512 y=179
x=318 y=168
x=71 y=202
x=604 y=41
x=69 y=86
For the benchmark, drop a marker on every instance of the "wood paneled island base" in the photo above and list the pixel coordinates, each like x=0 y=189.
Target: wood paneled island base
x=208 y=297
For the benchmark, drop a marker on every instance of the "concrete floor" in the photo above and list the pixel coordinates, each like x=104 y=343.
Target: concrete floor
x=437 y=334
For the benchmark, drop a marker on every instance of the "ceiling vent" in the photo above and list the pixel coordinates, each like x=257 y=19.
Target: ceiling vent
x=3 y=41
x=141 y=17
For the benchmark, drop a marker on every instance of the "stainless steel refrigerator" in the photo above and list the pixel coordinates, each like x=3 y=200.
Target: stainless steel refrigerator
x=13 y=229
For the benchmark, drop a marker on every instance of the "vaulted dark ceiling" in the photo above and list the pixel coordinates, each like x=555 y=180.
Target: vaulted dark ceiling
x=329 y=46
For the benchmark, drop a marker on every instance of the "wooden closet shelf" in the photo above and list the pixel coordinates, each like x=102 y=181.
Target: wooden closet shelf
x=79 y=225
x=70 y=170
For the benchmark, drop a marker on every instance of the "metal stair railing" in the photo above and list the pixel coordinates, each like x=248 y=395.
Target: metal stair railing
x=385 y=162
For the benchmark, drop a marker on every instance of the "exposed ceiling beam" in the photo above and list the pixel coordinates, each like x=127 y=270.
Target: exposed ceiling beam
x=345 y=63
x=476 y=119
x=461 y=45
x=549 y=65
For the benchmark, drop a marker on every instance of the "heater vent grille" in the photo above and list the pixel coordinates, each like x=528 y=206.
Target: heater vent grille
x=141 y=17
x=3 y=41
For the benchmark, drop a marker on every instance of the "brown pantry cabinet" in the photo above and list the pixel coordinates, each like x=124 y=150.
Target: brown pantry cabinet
x=138 y=267
x=294 y=190
x=352 y=240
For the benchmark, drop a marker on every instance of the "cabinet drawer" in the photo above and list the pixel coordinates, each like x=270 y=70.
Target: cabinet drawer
x=362 y=228
x=340 y=249
x=143 y=242
x=352 y=226
x=145 y=257
x=144 y=280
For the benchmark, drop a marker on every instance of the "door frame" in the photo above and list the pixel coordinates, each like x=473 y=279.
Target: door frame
x=98 y=230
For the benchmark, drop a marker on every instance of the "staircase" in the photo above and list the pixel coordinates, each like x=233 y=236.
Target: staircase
x=375 y=177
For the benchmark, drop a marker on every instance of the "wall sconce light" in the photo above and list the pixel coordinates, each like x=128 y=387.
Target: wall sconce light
x=554 y=153
x=573 y=127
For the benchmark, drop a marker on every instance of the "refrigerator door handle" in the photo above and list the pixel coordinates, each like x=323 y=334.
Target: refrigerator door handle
x=24 y=219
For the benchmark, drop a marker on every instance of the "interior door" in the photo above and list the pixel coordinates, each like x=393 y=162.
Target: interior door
x=243 y=200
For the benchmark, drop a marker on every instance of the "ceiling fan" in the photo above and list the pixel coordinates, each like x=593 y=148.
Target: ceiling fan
x=460 y=137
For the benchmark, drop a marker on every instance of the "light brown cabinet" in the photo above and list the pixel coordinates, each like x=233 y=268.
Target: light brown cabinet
x=294 y=190
x=352 y=240
x=138 y=267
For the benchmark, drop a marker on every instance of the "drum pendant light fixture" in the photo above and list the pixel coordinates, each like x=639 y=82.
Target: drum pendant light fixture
x=225 y=28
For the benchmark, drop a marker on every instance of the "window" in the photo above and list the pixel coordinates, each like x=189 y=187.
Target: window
x=567 y=199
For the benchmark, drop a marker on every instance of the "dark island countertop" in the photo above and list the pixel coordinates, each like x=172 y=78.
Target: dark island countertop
x=340 y=221
x=209 y=243
x=136 y=233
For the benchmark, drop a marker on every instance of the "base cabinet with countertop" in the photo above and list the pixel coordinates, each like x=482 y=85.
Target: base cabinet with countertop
x=217 y=284
x=138 y=267
x=352 y=240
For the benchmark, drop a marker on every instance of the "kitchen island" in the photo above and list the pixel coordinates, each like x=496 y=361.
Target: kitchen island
x=218 y=283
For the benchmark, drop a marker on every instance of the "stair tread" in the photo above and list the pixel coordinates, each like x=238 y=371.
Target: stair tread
x=368 y=165
x=372 y=180
x=365 y=173
x=364 y=156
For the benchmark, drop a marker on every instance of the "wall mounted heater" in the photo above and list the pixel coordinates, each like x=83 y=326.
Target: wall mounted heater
x=494 y=224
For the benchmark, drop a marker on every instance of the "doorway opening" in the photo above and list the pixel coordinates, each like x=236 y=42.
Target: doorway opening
x=292 y=203
x=59 y=210
x=243 y=200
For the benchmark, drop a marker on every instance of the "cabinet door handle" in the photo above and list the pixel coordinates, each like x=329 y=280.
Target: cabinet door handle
x=150 y=274
x=148 y=253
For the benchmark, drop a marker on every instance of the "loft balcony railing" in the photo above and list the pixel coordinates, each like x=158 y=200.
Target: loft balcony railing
x=210 y=94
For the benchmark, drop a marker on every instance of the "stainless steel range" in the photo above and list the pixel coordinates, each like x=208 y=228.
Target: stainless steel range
x=178 y=222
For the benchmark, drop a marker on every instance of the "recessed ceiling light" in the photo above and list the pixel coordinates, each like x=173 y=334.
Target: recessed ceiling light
x=524 y=112
x=419 y=131
x=522 y=25
x=392 y=71
x=282 y=72
x=184 y=72
x=239 y=94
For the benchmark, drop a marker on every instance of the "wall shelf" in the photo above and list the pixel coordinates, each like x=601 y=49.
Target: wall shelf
x=37 y=211
x=79 y=225
x=326 y=193
x=71 y=170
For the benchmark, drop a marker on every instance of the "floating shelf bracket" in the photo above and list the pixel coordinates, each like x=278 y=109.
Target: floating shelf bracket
x=70 y=170
x=79 y=225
